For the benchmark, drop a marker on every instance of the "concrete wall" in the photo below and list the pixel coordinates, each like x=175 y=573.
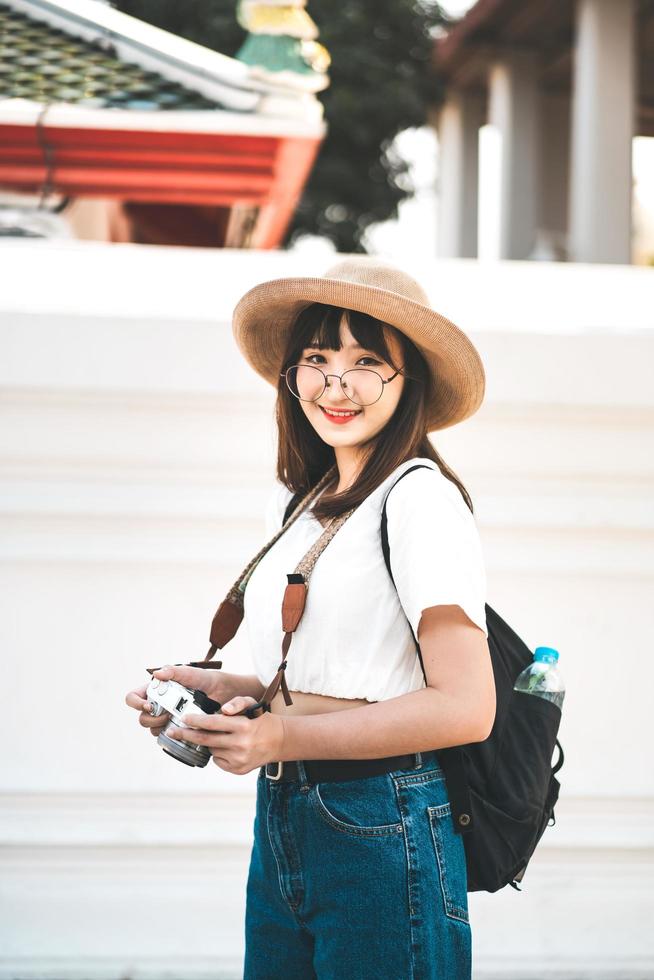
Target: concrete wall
x=137 y=451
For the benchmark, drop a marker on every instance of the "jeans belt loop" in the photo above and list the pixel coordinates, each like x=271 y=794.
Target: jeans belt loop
x=418 y=764
x=280 y=770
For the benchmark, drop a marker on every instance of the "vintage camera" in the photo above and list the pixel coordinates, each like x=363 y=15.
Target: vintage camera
x=178 y=700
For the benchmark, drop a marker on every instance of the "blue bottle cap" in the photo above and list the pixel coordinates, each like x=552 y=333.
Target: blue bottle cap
x=546 y=654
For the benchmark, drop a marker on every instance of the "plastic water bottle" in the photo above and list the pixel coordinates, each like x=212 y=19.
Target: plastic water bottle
x=542 y=677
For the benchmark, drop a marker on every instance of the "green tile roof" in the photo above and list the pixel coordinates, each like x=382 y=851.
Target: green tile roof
x=42 y=63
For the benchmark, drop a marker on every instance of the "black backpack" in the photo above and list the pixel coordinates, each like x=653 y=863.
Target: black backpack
x=502 y=791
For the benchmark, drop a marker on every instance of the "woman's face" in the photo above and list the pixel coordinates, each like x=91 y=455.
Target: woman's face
x=351 y=430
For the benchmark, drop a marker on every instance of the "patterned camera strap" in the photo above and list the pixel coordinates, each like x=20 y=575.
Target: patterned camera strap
x=229 y=614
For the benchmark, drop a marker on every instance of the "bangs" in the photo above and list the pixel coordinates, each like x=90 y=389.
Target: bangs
x=318 y=325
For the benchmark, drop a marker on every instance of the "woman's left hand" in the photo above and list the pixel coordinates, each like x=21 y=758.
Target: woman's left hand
x=237 y=744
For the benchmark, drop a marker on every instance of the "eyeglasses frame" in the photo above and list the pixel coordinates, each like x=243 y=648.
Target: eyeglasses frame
x=340 y=379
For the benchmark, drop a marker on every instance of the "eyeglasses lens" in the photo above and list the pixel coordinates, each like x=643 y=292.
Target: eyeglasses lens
x=305 y=382
x=360 y=385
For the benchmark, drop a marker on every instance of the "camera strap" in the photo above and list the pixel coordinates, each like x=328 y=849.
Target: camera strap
x=294 y=601
x=229 y=615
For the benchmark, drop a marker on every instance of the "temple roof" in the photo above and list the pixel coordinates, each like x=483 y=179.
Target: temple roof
x=85 y=53
x=43 y=63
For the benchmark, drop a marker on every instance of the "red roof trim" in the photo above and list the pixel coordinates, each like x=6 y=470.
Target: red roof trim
x=198 y=168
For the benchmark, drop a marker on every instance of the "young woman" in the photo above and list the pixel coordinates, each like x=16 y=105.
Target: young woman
x=356 y=871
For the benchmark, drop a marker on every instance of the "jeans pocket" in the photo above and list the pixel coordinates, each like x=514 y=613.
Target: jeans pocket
x=360 y=807
x=451 y=860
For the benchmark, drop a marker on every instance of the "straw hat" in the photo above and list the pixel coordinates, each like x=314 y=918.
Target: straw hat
x=264 y=316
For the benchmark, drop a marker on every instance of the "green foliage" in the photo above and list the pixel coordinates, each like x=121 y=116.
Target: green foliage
x=380 y=85
x=208 y=22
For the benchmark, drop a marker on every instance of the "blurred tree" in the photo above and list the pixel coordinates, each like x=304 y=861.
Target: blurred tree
x=380 y=85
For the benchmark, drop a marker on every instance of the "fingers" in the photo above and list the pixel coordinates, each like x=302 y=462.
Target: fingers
x=195 y=736
x=191 y=677
x=207 y=729
x=220 y=722
x=136 y=699
x=155 y=724
x=237 y=705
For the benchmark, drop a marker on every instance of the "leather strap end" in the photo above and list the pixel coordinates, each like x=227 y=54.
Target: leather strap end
x=273 y=687
x=255 y=710
x=224 y=625
x=288 y=700
x=293 y=604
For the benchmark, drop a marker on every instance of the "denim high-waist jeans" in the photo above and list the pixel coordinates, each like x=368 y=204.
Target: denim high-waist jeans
x=363 y=879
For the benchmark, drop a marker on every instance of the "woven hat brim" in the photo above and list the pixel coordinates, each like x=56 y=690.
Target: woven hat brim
x=264 y=316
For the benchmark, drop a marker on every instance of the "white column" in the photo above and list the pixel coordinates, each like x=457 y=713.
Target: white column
x=554 y=165
x=514 y=112
x=458 y=138
x=602 y=131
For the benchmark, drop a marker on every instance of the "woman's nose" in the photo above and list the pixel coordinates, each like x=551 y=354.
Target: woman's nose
x=334 y=391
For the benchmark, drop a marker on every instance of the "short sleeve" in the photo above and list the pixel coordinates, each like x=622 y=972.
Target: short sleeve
x=435 y=549
x=277 y=503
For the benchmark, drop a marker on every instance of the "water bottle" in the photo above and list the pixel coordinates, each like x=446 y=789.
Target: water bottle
x=542 y=677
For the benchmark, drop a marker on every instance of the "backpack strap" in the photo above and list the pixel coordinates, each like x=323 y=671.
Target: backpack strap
x=451 y=759
x=386 y=548
x=560 y=759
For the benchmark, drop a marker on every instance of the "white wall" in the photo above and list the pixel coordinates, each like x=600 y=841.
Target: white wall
x=137 y=451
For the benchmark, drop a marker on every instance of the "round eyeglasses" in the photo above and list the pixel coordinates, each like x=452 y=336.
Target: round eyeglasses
x=363 y=386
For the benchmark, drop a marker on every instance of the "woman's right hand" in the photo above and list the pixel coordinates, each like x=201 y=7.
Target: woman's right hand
x=217 y=684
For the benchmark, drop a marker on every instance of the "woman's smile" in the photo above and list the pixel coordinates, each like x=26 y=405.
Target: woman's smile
x=340 y=415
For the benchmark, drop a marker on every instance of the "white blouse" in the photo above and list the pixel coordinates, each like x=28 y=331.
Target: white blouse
x=354 y=640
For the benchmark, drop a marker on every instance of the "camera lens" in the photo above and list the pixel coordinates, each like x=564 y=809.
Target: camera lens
x=186 y=752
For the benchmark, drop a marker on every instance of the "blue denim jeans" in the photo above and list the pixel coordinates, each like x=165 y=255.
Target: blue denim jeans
x=357 y=880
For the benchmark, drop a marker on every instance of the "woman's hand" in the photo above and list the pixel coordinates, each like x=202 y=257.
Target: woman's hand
x=237 y=744
x=217 y=684
x=136 y=699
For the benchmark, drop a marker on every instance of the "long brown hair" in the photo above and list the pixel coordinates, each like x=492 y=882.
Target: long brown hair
x=302 y=456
